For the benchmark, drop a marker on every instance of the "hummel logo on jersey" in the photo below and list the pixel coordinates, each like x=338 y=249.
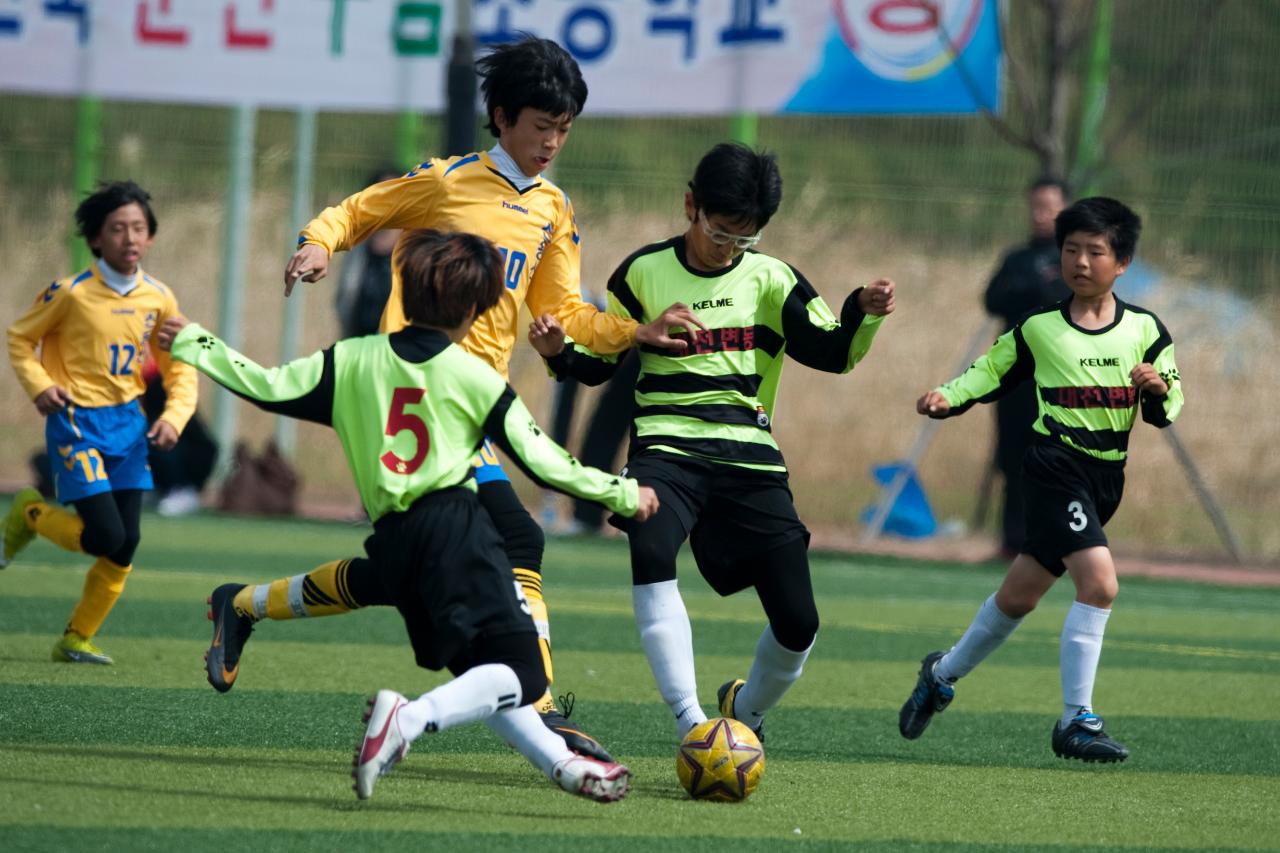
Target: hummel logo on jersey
x=1099 y=362
x=727 y=302
x=517 y=208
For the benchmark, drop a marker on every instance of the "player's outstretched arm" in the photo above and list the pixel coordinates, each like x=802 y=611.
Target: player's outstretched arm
x=300 y=389
x=565 y=359
x=510 y=426
x=817 y=339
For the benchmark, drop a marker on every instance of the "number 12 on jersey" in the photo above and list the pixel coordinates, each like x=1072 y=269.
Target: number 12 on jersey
x=398 y=420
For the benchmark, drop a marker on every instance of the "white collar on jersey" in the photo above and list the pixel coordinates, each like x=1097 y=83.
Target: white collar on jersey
x=119 y=282
x=508 y=169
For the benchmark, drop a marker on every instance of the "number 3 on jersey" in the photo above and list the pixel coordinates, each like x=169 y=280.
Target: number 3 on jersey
x=398 y=420
x=1079 y=521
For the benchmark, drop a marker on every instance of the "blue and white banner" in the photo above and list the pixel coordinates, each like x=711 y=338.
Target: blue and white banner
x=640 y=57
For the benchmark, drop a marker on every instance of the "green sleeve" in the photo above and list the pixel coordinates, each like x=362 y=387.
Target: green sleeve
x=512 y=428
x=1162 y=411
x=994 y=374
x=300 y=389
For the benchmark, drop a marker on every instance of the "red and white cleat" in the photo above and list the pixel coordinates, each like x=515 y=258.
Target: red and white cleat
x=604 y=782
x=382 y=746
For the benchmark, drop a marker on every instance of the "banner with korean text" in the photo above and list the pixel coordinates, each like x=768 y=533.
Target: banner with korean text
x=640 y=57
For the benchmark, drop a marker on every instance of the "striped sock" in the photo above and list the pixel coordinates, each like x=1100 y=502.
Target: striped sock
x=322 y=591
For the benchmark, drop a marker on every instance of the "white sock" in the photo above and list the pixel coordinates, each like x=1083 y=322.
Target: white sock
x=667 y=638
x=1078 y=656
x=773 y=671
x=478 y=693
x=523 y=730
x=988 y=630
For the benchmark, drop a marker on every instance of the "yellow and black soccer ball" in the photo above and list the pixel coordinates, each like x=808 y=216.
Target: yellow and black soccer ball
x=720 y=760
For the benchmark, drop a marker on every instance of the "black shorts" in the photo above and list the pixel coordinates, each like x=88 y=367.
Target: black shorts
x=1069 y=497
x=728 y=513
x=442 y=565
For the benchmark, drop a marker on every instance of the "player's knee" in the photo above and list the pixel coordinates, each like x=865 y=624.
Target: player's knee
x=1100 y=593
x=123 y=556
x=106 y=539
x=517 y=651
x=651 y=562
x=796 y=632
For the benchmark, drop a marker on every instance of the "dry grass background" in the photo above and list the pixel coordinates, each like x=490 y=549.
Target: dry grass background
x=832 y=428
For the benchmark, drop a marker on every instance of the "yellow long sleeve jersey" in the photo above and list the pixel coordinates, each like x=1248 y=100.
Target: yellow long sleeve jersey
x=535 y=231
x=92 y=342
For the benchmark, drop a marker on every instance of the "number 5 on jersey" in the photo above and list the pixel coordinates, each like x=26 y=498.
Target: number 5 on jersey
x=398 y=421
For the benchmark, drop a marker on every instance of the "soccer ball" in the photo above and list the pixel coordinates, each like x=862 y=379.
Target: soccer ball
x=720 y=760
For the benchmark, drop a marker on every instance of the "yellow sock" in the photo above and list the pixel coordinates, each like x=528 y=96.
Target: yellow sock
x=320 y=592
x=59 y=526
x=103 y=584
x=531 y=582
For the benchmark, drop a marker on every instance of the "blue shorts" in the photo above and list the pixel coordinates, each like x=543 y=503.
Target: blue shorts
x=96 y=450
x=488 y=468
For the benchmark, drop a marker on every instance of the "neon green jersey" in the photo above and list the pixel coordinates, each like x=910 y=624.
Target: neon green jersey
x=717 y=400
x=1087 y=400
x=410 y=409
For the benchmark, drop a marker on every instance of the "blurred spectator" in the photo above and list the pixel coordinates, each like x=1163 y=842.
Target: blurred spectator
x=365 y=282
x=181 y=473
x=1030 y=275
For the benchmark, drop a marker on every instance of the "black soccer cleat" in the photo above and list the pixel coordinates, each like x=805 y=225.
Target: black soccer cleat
x=576 y=739
x=230 y=632
x=930 y=697
x=727 y=695
x=1084 y=738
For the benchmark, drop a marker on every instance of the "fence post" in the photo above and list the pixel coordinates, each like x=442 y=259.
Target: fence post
x=235 y=233
x=304 y=155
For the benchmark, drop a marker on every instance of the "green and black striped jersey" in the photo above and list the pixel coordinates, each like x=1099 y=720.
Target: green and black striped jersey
x=716 y=400
x=410 y=409
x=1087 y=400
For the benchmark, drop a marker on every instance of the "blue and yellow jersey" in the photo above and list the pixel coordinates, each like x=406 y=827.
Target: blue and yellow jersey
x=1086 y=397
x=92 y=342
x=535 y=231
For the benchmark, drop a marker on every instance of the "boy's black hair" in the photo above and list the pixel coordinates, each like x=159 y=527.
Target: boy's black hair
x=445 y=276
x=736 y=182
x=1101 y=215
x=530 y=72
x=1046 y=181
x=95 y=209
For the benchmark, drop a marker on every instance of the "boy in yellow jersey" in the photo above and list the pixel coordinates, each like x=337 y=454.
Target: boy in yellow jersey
x=533 y=91
x=93 y=332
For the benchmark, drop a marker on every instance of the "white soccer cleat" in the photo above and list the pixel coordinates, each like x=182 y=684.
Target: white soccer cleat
x=383 y=745
x=604 y=782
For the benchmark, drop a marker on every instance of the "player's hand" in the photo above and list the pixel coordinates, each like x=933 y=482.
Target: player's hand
x=648 y=504
x=52 y=400
x=547 y=336
x=876 y=298
x=309 y=263
x=1148 y=381
x=933 y=404
x=168 y=331
x=658 y=333
x=162 y=435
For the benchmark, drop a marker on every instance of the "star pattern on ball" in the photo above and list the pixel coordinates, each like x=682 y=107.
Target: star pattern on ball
x=704 y=757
